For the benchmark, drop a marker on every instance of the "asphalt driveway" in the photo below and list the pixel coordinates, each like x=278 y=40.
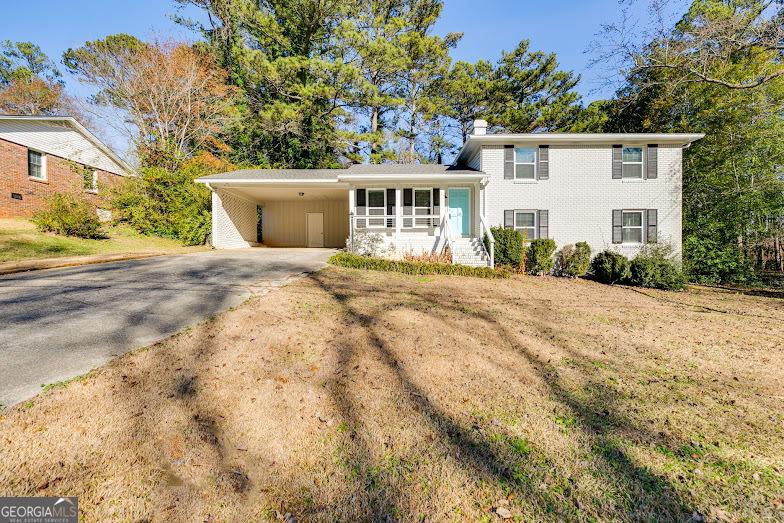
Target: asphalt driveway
x=60 y=323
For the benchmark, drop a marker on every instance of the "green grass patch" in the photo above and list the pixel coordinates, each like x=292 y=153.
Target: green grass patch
x=62 y=384
x=355 y=261
x=20 y=240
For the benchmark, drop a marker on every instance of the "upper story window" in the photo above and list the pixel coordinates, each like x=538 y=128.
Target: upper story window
x=36 y=167
x=632 y=162
x=525 y=163
x=525 y=222
x=632 y=227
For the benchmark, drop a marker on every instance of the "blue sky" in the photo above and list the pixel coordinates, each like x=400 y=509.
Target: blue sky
x=564 y=27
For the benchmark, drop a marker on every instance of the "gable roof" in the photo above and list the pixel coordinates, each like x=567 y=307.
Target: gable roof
x=475 y=141
x=354 y=172
x=46 y=134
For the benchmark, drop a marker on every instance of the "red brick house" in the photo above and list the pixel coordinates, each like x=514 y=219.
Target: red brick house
x=43 y=155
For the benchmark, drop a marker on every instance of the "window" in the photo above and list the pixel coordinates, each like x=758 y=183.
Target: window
x=92 y=185
x=525 y=163
x=376 y=206
x=35 y=165
x=422 y=206
x=632 y=162
x=632 y=227
x=525 y=222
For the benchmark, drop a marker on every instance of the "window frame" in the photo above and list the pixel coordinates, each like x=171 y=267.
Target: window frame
x=42 y=165
x=535 y=226
x=641 y=163
x=93 y=183
x=368 y=207
x=534 y=163
x=642 y=213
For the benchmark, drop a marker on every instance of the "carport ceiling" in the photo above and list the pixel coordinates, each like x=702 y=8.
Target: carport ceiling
x=269 y=194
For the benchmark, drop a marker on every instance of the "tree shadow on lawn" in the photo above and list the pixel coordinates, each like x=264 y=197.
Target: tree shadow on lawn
x=643 y=495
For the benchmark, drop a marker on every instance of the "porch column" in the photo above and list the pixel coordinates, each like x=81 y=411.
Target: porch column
x=442 y=210
x=398 y=211
x=352 y=211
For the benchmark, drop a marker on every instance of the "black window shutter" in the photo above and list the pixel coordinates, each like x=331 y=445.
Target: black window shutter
x=544 y=224
x=361 y=202
x=652 y=170
x=543 y=172
x=509 y=219
x=617 y=162
x=617 y=226
x=436 y=200
x=652 y=223
x=509 y=162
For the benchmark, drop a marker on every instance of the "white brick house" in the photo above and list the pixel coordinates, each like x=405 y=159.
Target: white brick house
x=615 y=191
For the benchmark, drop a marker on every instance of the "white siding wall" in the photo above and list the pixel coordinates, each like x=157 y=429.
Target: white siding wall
x=581 y=194
x=59 y=139
x=233 y=221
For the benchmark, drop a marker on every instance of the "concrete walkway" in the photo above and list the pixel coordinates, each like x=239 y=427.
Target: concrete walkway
x=60 y=323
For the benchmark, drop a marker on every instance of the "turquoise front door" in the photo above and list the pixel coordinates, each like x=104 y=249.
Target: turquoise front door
x=459 y=211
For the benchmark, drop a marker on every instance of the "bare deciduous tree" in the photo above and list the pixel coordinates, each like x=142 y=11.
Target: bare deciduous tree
x=174 y=98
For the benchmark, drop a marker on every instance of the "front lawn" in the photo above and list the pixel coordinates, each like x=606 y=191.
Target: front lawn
x=365 y=396
x=19 y=240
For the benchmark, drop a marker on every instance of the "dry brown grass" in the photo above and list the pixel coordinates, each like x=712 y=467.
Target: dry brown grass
x=364 y=396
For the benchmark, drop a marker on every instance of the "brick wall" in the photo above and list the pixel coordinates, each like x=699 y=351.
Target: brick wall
x=580 y=195
x=60 y=178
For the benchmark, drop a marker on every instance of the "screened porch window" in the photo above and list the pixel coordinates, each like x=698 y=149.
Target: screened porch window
x=376 y=206
x=423 y=204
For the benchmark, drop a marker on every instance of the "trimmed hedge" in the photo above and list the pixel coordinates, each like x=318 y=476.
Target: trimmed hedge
x=355 y=261
x=540 y=256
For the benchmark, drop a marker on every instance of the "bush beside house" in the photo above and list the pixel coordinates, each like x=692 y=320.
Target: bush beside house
x=64 y=213
x=540 y=256
x=574 y=260
x=610 y=267
x=509 y=246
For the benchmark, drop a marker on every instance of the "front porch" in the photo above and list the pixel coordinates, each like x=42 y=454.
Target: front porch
x=421 y=213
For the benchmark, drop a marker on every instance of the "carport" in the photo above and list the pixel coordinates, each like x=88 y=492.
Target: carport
x=295 y=208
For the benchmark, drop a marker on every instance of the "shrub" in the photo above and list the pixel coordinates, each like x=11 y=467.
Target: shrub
x=68 y=215
x=367 y=243
x=444 y=257
x=167 y=203
x=574 y=260
x=509 y=246
x=355 y=261
x=540 y=256
x=654 y=268
x=610 y=267
x=709 y=260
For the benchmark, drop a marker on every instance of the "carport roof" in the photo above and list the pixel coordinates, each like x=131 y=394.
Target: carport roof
x=335 y=175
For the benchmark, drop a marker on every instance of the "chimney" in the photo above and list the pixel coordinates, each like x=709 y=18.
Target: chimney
x=480 y=127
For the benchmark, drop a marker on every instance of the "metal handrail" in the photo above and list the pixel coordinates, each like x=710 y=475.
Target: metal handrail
x=446 y=233
x=484 y=229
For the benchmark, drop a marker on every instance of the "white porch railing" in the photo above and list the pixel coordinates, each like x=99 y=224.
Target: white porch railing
x=484 y=229
x=446 y=234
x=389 y=221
